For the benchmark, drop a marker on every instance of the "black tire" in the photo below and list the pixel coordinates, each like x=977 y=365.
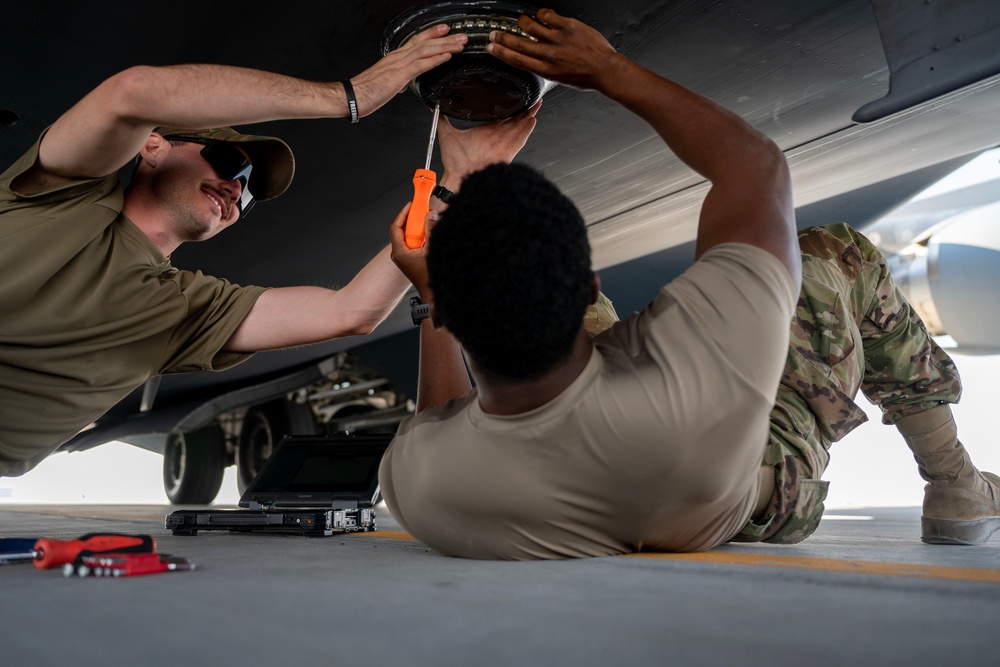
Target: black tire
x=263 y=428
x=193 y=465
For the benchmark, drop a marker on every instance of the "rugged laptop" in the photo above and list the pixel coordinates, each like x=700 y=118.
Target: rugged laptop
x=313 y=485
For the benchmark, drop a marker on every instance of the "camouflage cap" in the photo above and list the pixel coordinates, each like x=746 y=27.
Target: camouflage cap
x=273 y=162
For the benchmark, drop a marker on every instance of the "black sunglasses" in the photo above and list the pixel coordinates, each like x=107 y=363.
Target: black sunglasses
x=229 y=163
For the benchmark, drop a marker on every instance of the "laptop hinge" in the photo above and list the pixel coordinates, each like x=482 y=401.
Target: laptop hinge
x=266 y=505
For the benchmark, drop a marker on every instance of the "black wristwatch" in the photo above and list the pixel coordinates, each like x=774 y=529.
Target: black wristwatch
x=419 y=311
x=443 y=193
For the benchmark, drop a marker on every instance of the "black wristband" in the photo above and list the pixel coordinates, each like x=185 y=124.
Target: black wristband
x=419 y=311
x=443 y=193
x=352 y=101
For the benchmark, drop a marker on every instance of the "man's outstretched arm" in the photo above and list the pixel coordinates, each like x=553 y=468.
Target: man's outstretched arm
x=107 y=128
x=289 y=316
x=751 y=196
x=441 y=371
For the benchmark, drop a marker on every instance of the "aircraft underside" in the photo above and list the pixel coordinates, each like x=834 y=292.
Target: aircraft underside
x=870 y=101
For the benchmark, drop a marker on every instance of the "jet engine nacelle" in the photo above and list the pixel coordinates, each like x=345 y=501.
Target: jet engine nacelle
x=952 y=279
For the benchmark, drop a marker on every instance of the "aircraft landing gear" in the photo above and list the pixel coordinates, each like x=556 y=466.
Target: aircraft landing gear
x=193 y=465
x=263 y=427
x=349 y=397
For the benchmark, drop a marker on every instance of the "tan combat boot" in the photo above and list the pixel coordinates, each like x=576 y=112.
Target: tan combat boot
x=961 y=504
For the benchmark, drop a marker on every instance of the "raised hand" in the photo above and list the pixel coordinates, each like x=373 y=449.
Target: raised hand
x=566 y=51
x=382 y=81
x=465 y=151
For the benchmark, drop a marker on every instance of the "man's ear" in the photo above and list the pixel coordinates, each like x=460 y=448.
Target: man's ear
x=595 y=288
x=153 y=149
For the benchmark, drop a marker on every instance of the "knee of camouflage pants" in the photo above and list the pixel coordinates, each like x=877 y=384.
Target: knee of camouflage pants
x=852 y=330
x=904 y=371
x=796 y=505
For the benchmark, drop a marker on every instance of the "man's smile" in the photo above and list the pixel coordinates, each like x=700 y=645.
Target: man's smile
x=219 y=200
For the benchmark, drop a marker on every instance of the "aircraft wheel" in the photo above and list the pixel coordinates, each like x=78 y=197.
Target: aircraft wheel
x=193 y=465
x=263 y=428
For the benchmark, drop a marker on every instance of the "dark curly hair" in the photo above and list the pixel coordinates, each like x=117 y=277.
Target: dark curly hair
x=509 y=266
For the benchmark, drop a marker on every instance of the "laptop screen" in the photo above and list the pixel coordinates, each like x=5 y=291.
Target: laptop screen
x=346 y=471
x=317 y=470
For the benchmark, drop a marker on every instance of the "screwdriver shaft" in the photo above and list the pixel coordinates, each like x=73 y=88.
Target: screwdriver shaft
x=434 y=129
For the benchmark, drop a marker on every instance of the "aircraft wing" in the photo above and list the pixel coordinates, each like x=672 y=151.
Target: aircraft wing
x=871 y=102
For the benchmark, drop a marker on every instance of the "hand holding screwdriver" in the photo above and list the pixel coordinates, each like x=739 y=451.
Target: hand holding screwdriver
x=424 y=181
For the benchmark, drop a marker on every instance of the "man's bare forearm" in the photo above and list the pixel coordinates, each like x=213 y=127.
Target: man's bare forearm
x=291 y=316
x=107 y=127
x=750 y=200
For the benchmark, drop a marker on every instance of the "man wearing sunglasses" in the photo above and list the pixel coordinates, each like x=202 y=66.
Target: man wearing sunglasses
x=228 y=161
x=91 y=306
x=223 y=159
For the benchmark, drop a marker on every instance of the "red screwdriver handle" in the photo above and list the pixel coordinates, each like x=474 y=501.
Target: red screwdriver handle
x=424 y=181
x=53 y=553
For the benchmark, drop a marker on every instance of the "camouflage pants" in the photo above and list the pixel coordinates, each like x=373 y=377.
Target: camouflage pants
x=852 y=329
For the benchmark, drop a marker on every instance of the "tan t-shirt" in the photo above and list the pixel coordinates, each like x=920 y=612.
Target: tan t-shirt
x=656 y=445
x=89 y=310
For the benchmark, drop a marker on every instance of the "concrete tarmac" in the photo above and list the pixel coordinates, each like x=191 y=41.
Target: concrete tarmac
x=862 y=591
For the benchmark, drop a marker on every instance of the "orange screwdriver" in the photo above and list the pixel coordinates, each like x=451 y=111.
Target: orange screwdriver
x=424 y=181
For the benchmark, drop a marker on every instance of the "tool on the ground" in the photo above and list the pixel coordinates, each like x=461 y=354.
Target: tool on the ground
x=424 y=181
x=125 y=565
x=53 y=553
x=17 y=550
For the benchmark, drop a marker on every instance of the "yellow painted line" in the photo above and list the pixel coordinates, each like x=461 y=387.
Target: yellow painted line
x=391 y=534
x=887 y=569
x=881 y=568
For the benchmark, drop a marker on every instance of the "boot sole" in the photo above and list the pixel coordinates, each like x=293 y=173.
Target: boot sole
x=949 y=531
